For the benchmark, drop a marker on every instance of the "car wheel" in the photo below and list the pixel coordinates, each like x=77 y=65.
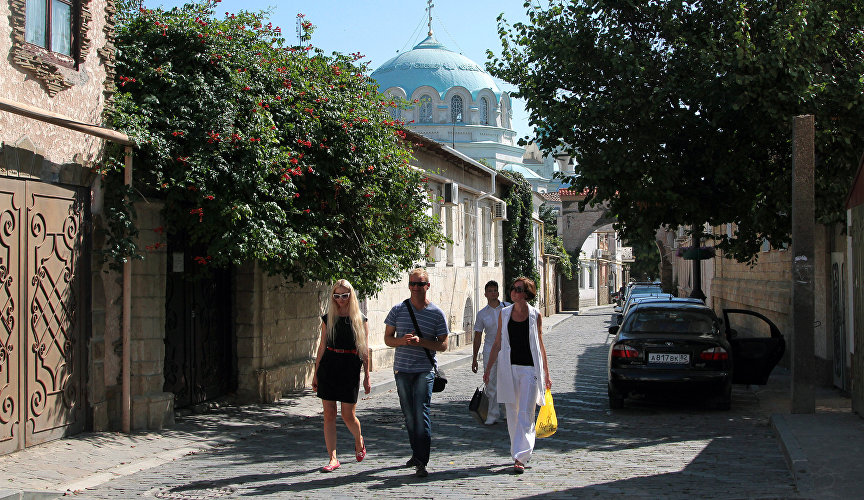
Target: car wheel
x=616 y=401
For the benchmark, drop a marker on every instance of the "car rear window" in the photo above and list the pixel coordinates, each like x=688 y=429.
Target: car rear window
x=671 y=320
x=636 y=290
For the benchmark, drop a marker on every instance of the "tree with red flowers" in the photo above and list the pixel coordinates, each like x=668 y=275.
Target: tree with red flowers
x=266 y=151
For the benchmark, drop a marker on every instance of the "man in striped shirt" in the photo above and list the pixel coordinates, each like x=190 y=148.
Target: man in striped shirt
x=411 y=365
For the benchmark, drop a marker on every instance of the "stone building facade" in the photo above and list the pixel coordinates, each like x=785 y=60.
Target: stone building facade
x=53 y=375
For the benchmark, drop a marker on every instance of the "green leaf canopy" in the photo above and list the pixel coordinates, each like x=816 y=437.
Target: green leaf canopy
x=679 y=112
x=269 y=152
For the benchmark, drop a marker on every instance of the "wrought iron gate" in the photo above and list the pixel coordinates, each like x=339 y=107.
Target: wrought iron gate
x=42 y=269
x=199 y=356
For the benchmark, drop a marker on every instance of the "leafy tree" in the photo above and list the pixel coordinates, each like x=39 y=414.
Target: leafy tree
x=518 y=233
x=552 y=243
x=646 y=263
x=678 y=112
x=268 y=152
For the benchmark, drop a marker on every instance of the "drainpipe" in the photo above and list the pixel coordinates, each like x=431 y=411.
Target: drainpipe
x=127 y=319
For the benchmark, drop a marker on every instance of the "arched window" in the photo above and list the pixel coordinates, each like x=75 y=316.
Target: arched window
x=396 y=113
x=425 y=109
x=505 y=115
x=456 y=109
x=484 y=111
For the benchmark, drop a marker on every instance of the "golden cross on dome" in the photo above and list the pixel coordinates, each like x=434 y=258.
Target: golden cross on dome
x=429 y=9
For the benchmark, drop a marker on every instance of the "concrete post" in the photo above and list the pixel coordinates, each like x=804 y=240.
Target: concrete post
x=803 y=228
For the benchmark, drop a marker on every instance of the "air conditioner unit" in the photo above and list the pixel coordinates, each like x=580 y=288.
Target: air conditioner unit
x=451 y=193
x=499 y=211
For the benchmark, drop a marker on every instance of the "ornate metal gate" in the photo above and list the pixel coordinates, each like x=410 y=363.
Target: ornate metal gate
x=199 y=356
x=41 y=345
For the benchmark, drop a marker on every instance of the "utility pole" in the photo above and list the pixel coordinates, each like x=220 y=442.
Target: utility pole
x=803 y=228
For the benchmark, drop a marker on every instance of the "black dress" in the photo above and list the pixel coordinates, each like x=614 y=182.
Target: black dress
x=339 y=372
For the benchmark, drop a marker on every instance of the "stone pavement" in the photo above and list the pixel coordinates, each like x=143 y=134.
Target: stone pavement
x=645 y=451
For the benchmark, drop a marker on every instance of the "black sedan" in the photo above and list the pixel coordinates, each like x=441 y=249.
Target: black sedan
x=682 y=348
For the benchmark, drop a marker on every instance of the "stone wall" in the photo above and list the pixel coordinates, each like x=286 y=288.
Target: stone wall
x=151 y=407
x=767 y=288
x=277 y=328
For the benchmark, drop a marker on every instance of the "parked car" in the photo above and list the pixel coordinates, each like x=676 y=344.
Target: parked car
x=662 y=297
x=681 y=348
x=619 y=311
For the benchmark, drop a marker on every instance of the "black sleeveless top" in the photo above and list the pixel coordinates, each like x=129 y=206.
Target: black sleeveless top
x=343 y=333
x=520 y=348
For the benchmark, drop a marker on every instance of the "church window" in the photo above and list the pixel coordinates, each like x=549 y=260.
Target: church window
x=484 y=111
x=425 y=109
x=505 y=116
x=48 y=24
x=456 y=109
x=395 y=113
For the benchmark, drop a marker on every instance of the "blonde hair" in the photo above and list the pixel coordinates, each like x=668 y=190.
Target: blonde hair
x=418 y=271
x=354 y=316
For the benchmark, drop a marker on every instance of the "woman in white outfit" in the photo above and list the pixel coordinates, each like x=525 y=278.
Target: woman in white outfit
x=523 y=374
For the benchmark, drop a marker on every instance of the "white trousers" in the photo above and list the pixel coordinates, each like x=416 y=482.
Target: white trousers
x=491 y=391
x=520 y=415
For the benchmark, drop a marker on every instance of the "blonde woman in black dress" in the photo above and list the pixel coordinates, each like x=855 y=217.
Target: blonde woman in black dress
x=343 y=350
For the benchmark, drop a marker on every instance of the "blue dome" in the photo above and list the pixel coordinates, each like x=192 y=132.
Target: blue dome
x=430 y=63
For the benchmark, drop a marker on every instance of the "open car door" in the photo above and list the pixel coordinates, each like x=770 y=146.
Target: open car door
x=757 y=345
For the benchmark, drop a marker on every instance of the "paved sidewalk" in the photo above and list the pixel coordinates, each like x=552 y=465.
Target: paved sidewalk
x=823 y=450
x=86 y=460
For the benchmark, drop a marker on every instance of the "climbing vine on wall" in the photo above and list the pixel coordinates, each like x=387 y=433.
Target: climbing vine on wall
x=518 y=234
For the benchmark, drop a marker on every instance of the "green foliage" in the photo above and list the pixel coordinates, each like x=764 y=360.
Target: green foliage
x=268 y=152
x=679 y=112
x=552 y=243
x=646 y=261
x=518 y=234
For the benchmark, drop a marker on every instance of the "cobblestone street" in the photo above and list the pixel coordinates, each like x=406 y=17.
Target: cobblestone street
x=647 y=450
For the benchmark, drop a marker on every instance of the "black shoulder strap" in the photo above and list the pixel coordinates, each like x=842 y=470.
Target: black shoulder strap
x=407 y=303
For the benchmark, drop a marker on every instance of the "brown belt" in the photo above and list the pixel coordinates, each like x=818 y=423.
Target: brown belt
x=343 y=351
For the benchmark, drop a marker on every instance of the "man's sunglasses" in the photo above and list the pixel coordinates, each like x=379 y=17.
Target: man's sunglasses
x=341 y=295
x=518 y=289
x=418 y=283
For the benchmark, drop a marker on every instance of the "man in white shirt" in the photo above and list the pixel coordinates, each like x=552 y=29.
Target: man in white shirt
x=487 y=320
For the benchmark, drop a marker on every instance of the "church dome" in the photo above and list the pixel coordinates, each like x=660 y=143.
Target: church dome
x=429 y=63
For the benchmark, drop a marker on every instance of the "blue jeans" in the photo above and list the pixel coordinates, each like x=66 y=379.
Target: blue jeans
x=415 y=396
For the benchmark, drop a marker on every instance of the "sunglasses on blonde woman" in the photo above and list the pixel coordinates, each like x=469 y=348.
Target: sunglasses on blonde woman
x=517 y=289
x=341 y=295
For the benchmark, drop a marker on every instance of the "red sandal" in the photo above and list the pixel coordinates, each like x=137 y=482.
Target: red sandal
x=362 y=453
x=330 y=467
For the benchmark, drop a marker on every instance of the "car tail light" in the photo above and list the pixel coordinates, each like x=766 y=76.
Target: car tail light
x=624 y=351
x=714 y=354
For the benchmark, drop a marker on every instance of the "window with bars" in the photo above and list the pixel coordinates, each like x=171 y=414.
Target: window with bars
x=48 y=24
x=425 y=109
x=499 y=243
x=487 y=235
x=433 y=253
x=456 y=109
x=484 y=111
x=470 y=231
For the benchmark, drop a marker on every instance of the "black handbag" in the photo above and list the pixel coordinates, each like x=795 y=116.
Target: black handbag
x=479 y=405
x=440 y=379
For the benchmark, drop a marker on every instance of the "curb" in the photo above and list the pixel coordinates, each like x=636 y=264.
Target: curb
x=794 y=454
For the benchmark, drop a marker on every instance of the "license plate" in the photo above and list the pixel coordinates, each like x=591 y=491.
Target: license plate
x=668 y=358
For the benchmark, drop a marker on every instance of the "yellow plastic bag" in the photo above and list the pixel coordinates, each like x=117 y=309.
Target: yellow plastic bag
x=547 y=422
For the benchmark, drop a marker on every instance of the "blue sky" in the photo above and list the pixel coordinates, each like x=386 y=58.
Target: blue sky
x=380 y=28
